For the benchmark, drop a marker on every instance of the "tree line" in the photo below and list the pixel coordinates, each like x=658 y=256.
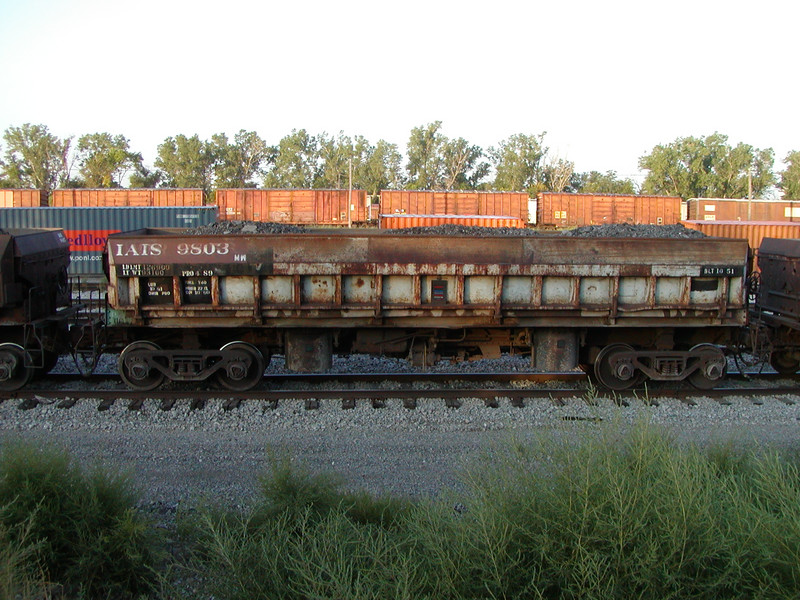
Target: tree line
x=707 y=166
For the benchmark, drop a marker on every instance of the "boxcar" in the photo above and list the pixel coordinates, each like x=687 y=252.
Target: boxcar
x=575 y=210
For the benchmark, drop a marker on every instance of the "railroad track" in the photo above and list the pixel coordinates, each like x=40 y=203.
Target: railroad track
x=350 y=389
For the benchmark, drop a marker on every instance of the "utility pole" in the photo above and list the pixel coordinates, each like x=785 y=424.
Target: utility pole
x=350 y=192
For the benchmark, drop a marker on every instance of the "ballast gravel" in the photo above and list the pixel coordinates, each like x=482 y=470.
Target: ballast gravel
x=182 y=455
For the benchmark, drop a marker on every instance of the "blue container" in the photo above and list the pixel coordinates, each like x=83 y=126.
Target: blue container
x=87 y=229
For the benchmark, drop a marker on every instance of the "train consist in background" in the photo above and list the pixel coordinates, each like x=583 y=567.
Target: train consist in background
x=203 y=305
x=88 y=216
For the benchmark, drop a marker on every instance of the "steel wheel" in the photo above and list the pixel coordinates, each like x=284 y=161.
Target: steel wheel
x=244 y=370
x=134 y=369
x=713 y=367
x=13 y=372
x=613 y=372
x=784 y=362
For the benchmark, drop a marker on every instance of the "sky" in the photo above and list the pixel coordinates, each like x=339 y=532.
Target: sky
x=606 y=81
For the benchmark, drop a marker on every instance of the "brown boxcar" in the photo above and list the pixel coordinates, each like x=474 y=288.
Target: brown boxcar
x=752 y=231
x=403 y=221
x=735 y=209
x=108 y=197
x=298 y=206
x=21 y=198
x=556 y=209
x=427 y=202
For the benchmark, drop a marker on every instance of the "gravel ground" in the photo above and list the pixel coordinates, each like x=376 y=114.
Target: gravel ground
x=181 y=455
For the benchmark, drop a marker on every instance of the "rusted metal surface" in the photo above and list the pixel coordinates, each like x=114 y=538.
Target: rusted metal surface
x=779 y=291
x=127 y=197
x=427 y=202
x=301 y=206
x=573 y=210
x=382 y=279
x=736 y=209
x=402 y=221
x=21 y=198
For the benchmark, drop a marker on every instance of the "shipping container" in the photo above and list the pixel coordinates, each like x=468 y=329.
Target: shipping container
x=301 y=207
x=116 y=197
x=21 y=198
x=427 y=202
x=555 y=209
x=752 y=231
x=87 y=229
x=735 y=209
x=402 y=221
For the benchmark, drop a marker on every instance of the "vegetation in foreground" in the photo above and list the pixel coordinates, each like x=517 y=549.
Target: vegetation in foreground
x=615 y=515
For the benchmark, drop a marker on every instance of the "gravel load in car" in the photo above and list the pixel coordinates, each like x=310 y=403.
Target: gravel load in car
x=245 y=228
x=472 y=230
x=635 y=231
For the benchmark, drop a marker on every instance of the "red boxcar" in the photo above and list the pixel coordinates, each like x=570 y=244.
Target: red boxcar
x=302 y=207
x=427 y=202
x=108 y=197
x=556 y=209
x=22 y=198
x=403 y=221
x=734 y=209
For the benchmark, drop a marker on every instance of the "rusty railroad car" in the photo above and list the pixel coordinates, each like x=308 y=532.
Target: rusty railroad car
x=21 y=198
x=195 y=307
x=295 y=206
x=777 y=310
x=118 y=197
x=403 y=221
x=427 y=202
x=34 y=302
x=735 y=209
x=559 y=210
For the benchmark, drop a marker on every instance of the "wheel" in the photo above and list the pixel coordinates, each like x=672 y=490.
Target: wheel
x=13 y=372
x=784 y=362
x=244 y=369
x=614 y=372
x=713 y=367
x=134 y=368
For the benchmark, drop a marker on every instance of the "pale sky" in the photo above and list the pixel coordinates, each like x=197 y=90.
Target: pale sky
x=607 y=81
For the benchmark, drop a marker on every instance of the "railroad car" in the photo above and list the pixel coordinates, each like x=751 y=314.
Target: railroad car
x=296 y=206
x=194 y=307
x=560 y=210
x=517 y=205
x=34 y=303
x=124 y=197
x=776 y=314
x=742 y=209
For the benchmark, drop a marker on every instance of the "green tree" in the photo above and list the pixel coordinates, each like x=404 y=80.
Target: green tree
x=105 y=159
x=145 y=178
x=790 y=178
x=426 y=165
x=238 y=163
x=338 y=156
x=297 y=162
x=707 y=168
x=35 y=158
x=379 y=167
x=187 y=162
x=595 y=182
x=519 y=163
x=464 y=165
